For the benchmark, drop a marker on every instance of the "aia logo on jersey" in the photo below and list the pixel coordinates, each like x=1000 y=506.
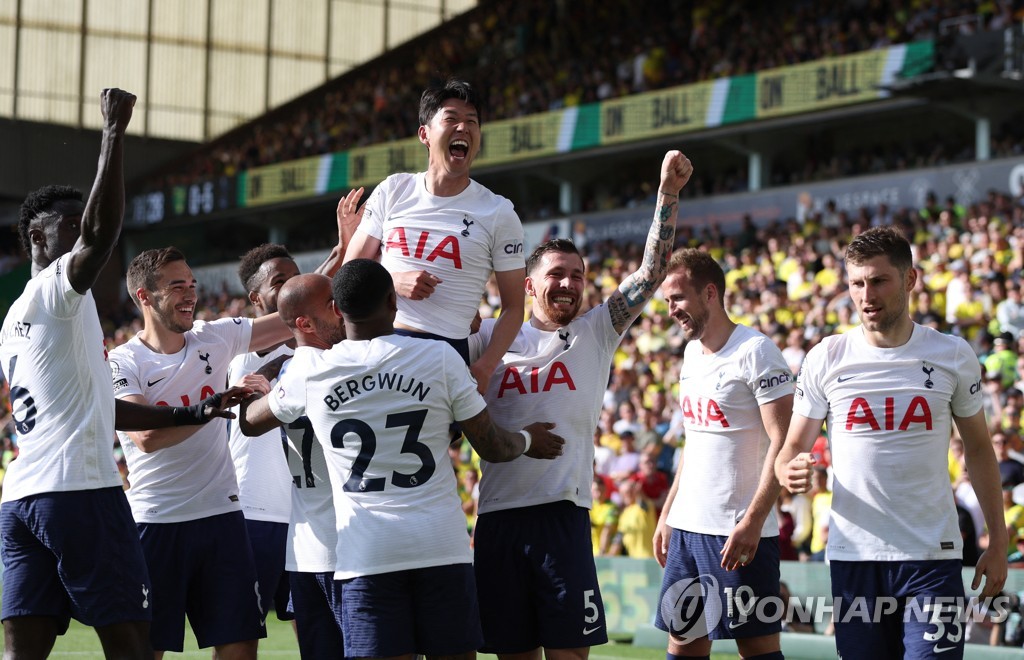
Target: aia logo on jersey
x=863 y=413
x=703 y=412
x=446 y=248
x=529 y=381
x=207 y=391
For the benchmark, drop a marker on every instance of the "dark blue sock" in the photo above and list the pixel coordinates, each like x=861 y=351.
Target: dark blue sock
x=774 y=655
x=673 y=656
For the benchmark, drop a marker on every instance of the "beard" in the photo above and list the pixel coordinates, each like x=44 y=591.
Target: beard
x=697 y=322
x=559 y=315
x=168 y=318
x=332 y=333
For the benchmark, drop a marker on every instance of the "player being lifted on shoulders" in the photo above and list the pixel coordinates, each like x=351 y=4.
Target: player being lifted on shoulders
x=441 y=235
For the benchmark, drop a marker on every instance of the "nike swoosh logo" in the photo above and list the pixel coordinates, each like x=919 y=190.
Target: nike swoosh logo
x=843 y=379
x=943 y=649
x=735 y=624
x=151 y=383
x=587 y=631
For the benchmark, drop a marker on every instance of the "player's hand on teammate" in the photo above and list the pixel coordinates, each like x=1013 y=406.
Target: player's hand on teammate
x=415 y=284
x=796 y=478
x=741 y=545
x=350 y=213
x=544 y=443
x=675 y=172
x=257 y=383
x=216 y=406
x=116 y=106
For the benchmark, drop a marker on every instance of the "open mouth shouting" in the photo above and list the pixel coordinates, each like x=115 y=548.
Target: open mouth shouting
x=459 y=149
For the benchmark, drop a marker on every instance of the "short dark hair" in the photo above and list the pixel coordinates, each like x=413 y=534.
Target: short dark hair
x=701 y=268
x=434 y=97
x=145 y=268
x=249 y=267
x=563 y=245
x=39 y=202
x=884 y=241
x=360 y=287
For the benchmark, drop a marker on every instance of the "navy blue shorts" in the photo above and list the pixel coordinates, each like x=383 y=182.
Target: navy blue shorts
x=460 y=345
x=317 y=615
x=269 y=541
x=204 y=569
x=907 y=609
x=429 y=611
x=536 y=579
x=700 y=598
x=73 y=554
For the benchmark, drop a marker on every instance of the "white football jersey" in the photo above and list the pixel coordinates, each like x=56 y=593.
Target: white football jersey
x=312 y=538
x=195 y=478
x=889 y=417
x=720 y=396
x=555 y=377
x=381 y=410
x=52 y=354
x=460 y=239
x=261 y=464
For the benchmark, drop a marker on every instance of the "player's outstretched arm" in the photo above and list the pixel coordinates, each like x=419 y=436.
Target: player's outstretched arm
x=104 y=210
x=794 y=464
x=633 y=293
x=131 y=416
x=981 y=464
x=496 y=445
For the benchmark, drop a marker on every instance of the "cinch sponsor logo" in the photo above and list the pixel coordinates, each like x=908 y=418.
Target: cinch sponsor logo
x=772 y=381
x=513 y=248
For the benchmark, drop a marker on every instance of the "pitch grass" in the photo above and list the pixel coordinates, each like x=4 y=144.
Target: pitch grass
x=81 y=643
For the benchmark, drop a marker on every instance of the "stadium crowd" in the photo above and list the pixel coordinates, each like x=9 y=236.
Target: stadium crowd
x=541 y=56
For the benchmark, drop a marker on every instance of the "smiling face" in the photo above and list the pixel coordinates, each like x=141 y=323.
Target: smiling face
x=687 y=306
x=173 y=302
x=453 y=138
x=556 y=285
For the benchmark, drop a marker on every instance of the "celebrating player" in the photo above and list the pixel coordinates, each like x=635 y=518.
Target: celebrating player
x=381 y=405
x=890 y=391
x=533 y=556
x=64 y=486
x=736 y=395
x=441 y=235
x=183 y=493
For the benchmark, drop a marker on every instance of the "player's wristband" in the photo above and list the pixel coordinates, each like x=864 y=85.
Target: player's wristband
x=197 y=413
x=529 y=440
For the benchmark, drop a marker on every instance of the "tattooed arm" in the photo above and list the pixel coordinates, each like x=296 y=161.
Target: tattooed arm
x=633 y=293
